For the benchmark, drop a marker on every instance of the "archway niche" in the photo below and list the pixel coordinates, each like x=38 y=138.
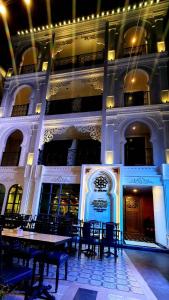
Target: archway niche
x=12 y=152
x=22 y=100
x=135 y=41
x=29 y=60
x=136 y=88
x=138 y=150
x=14 y=199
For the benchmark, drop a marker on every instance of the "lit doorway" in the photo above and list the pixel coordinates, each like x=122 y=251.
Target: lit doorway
x=139 y=214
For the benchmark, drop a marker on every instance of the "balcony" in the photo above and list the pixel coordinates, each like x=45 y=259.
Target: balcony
x=59 y=153
x=29 y=69
x=20 y=110
x=77 y=61
x=134 y=51
x=74 y=105
x=136 y=98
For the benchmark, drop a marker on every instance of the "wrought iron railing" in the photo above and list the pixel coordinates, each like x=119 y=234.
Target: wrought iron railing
x=29 y=69
x=74 y=105
x=20 y=110
x=136 y=98
x=78 y=60
x=132 y=51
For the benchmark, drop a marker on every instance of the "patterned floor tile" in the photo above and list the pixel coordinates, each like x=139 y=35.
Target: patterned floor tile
x=124 y=288
x=95 y=282
x=109 y=285
x=82 y=280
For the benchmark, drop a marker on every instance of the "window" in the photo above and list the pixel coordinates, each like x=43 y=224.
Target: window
x=14 y=199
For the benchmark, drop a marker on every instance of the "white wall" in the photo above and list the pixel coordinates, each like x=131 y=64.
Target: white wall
x=159 y=215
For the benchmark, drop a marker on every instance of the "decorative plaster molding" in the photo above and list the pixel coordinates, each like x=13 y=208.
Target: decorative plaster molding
x=61 y=179
x=49 y=133
x=143 y=181
x=94 y=131
x=54 y=88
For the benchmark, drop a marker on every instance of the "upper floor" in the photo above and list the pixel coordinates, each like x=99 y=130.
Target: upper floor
x=87 y=42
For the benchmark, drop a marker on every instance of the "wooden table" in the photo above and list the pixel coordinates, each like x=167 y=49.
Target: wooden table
x=42 y=240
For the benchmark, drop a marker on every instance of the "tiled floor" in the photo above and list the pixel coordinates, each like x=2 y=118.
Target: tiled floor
x=113 y=280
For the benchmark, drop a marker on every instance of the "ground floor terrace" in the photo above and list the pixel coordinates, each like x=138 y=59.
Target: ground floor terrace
x=137 y=198
x=135 y=275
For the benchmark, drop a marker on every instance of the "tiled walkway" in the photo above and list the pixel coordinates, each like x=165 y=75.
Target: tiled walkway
x=112 y=280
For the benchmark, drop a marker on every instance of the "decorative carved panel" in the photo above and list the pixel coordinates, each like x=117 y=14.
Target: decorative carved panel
x=94 y=131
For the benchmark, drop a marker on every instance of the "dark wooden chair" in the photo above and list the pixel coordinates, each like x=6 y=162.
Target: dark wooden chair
x=89 y=238
x=11 y=274
x=110 y=239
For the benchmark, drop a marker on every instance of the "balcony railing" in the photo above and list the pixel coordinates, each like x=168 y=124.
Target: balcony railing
x=20 y=110
x=10 y=159
x=78 y=60
x=75 y=105
x=132 y=51
x=136 y=98
x=29 y=69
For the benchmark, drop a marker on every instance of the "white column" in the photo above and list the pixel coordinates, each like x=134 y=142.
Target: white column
x=159 y=215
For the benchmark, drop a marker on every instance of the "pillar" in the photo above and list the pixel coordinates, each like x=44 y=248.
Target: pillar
x=159 y=215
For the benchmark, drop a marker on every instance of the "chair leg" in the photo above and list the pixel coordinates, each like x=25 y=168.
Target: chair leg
x=66 y=267
x=33 y=273
x=57 y=278
x=47 y=269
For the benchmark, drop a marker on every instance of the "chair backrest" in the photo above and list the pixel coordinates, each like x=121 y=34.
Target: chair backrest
x=111 y=232
x=86 y=230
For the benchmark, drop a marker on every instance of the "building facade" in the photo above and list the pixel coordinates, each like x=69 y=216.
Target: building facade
x=84 y=121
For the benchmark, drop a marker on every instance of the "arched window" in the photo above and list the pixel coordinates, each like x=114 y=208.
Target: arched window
x=136 y=88
x=138 y=147
x=135 y=41
x=2 y=195
x=29 y=60
x=21 y=103
x=14 y=199
x=11 y=155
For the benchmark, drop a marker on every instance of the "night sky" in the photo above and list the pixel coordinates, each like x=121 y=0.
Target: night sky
x=60 y=10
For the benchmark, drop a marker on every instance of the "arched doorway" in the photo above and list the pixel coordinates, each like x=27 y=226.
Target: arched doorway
x=135 y=41
x=138 y=147
x=14 y=199
x=29 y=60
x=22 y=100
x=2 y=195
x=138 y=214
x=136 y=88
x=11 y=155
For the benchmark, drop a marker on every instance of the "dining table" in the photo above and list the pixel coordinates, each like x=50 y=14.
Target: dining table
x=43 y=241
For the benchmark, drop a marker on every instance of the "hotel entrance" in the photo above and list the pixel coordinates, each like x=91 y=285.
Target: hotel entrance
x=139 y=214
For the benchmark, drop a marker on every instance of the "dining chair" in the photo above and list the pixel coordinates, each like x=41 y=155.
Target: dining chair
x=88 y=237
x=110 y=239
x=11 y=274
x=55 y=258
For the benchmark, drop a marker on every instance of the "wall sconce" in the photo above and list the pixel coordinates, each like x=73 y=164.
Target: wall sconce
x=38 y=108
x=30 y=158
x=1 y=112
x=9 y=73
x=109 y=157
x=44 y=66
x=161 y=46
x=111 y=55
x=167 y=156
x=109 y=102
x=165 y=96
